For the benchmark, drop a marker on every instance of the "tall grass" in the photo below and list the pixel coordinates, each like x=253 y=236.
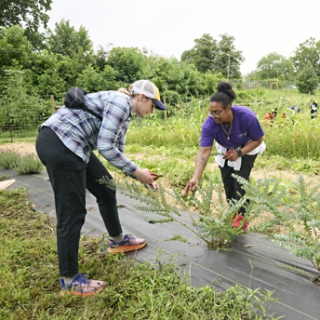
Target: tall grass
x=291 y=137
x=296 y=136
x=22 y=164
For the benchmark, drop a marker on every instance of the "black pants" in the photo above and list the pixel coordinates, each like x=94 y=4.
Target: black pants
x=231 y=185
x=70 y=176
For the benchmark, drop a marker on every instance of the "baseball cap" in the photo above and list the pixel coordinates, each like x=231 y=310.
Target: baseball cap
x=150 y=90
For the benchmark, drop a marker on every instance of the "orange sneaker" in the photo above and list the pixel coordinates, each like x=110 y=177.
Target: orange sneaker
x=81 y=286
x=129 y=243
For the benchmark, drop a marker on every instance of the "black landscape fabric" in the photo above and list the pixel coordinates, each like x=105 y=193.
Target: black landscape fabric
x=252 y=261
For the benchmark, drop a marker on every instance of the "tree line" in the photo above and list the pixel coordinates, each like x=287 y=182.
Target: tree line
x=303 y=66
x=68 y=60
x=40 y=64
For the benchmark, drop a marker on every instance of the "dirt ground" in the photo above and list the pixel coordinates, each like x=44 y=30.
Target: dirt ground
x=20 y=147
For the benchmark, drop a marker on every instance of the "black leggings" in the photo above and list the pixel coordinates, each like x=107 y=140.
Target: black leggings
x=231 y=185
x=70 y=176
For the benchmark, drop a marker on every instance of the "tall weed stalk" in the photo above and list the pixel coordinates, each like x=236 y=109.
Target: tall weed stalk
x=212 y=224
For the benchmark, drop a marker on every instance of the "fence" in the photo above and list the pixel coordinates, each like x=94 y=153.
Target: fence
x=18 y=124
x=18 y=121
x=264 y=84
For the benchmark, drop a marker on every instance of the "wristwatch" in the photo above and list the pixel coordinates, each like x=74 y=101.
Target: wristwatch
x=239 y=152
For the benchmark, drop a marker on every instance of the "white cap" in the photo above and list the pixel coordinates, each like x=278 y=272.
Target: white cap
x=150 y=90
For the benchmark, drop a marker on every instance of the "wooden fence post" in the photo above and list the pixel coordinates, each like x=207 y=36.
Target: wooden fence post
x=52 y=104
x=165 y=111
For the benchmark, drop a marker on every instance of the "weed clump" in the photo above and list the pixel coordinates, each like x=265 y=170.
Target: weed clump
x=28 y=164
x=296 y=212
x=9 y=159
x=22 y=164
x=211 y=223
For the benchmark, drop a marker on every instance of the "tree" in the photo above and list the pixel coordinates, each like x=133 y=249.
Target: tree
x=51 y=83
x=108 y=78
x=203 y=53
x=308 y=51
x=93 y=80
x=128 y=62
x=307 y=79
x=28 y=14
x=228 y=58
x=89 y=79
x=22 y=109
x=67 y=41
x=275 y=66
x=208 y=54
x=100 y=58
x=69 y=69
x=14 y=46
x=210 y=82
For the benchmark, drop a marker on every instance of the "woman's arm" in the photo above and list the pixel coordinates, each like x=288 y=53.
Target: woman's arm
x=201 y=162
x=251 y=145
x=233 y=156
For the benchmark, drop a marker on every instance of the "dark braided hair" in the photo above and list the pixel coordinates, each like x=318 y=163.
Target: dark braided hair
x=224 y=94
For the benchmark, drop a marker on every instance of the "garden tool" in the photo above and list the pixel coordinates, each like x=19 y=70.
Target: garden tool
x=156 y=176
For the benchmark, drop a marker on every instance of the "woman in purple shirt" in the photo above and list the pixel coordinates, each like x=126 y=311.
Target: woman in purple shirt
x=238 y=136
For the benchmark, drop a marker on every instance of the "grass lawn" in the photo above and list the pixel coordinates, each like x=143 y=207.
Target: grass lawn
x=293 y=96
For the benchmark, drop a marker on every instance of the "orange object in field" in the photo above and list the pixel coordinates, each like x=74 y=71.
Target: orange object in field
x=269 y=116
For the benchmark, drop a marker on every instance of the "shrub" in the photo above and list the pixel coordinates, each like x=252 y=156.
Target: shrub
x=8 y=159
x=307 y=80
x=213 y=223
x=294 y=213
x=28 y=164
x=22 y=164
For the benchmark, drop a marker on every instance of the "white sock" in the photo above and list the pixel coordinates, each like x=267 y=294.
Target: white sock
x=118 y=238
x=67 y=280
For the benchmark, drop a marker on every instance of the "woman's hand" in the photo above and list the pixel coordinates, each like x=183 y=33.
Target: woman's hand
x=191 y=185
x=143 y=176
x=231 y=156
x=153 y=186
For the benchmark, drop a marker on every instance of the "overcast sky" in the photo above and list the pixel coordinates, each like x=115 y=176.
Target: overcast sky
x=168 y=27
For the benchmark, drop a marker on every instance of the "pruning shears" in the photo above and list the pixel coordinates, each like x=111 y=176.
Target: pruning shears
x=155 y=176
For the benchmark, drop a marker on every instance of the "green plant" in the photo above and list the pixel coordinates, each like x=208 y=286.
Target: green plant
x=215 y=216
x=307 y=80
x=28 y=164
x=295 y=215
x=4 y=177
x=212 y=225
x=22 y=164
x=9 y=159
x=296 y=139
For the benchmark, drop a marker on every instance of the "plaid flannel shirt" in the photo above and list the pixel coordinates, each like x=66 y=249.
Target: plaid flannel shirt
x=82 y=132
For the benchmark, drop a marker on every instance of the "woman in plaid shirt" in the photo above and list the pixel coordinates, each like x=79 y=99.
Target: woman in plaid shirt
x=64 y=145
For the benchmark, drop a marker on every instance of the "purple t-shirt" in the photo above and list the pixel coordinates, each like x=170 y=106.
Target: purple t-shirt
x=245 y=127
